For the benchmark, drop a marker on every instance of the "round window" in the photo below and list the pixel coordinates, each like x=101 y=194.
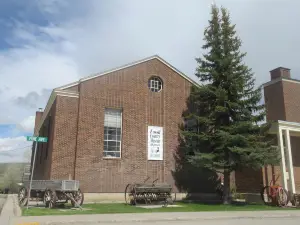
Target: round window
x=155 y=84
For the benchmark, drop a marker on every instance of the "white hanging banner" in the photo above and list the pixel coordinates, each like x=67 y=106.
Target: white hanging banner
x=155 y=143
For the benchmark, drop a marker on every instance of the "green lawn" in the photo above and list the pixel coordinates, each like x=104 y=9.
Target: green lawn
x=123 y=208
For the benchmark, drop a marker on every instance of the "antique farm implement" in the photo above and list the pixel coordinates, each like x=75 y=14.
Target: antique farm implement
x=274 y=194
x=51 y=192
x=148 y=193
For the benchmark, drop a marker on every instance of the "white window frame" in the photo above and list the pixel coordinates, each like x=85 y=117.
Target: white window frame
x=153 y=84
x=121 y=134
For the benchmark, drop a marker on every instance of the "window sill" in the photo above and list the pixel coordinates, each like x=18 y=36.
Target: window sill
x=112 y=158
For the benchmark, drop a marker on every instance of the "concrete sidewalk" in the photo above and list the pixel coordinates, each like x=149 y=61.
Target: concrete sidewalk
x=10 y=210
x=153 y=217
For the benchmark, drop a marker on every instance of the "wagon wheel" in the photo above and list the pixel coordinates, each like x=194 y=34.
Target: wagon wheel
x=22 y=196
x=292 y=199
x=170 y=199
x=78 y=197
x=266 y=196
x=174 y=197
x=147 y=198
x=282 y=197
x=296 y=200
x=128 y=194
x=166 y=201
x=50 y=198
x=134 y=196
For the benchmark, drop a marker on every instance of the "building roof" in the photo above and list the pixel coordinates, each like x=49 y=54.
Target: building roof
x=62 y=92
x=291 y=80
x=126 y=66
x=280 y=67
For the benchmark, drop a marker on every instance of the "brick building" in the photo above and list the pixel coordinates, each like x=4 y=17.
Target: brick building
x=99 y=127
x=282 y=99
x=281 y=95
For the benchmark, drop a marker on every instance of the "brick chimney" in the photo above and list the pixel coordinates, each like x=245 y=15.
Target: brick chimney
x=38 y=117
x=280 y=72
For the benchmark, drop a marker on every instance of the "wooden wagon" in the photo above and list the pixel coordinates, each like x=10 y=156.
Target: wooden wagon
x=52 y=192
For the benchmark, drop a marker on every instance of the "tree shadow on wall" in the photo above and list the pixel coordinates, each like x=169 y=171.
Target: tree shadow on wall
x=200 y=184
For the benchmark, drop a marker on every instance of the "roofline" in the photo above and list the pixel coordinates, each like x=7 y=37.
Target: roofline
x=285 y=125
x=127 y=66
x=288 y=123
x=68 y=85
x=280 y=67
x=51 y=99
x=281 y=79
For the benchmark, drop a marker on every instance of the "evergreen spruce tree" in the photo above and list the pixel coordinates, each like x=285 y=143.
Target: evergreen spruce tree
x=224 y=134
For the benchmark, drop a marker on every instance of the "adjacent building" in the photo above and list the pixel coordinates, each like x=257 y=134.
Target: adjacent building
x=282 y=99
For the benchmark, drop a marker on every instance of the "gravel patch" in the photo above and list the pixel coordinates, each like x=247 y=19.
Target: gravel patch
x=2 y=201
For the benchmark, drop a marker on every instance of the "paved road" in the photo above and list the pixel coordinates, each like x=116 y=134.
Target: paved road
x=209 y=218
x=286 y=221
x=273 y=221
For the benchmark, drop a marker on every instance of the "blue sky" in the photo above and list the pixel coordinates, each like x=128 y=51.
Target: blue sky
x=48 y=43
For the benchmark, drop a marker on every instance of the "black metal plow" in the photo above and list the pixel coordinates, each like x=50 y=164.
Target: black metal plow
x=148 y=193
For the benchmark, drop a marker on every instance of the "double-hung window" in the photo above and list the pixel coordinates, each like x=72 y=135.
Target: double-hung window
x=112 y=133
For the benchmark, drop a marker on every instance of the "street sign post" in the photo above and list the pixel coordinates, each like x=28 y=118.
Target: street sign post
x=36 y=140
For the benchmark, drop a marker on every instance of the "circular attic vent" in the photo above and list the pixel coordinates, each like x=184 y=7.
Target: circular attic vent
x=155 y=84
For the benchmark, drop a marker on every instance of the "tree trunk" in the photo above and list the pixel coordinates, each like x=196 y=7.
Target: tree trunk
x=227 y=196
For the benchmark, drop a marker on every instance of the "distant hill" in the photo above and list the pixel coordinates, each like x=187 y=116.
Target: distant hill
x=4 y=166
x=15 y=171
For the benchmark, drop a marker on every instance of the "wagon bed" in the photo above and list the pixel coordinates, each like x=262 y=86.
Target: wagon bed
x=57 y=185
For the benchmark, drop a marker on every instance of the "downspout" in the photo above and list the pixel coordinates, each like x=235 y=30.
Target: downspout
x=76 y=140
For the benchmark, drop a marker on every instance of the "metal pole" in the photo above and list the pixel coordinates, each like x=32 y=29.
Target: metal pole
x=32 y=170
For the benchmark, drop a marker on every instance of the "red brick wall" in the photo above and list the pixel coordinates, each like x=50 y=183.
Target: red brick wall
x=282 y=101
x=44 y=151
x=274 y=101
x=128 y=89
x=291 y=92
x=249 y=180
x=65 y=133
x=295 y=144
x=38 y=116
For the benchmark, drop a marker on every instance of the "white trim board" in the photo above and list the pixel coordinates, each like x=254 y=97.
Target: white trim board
x=285 y=125
x=127 y=66
x=280 y=79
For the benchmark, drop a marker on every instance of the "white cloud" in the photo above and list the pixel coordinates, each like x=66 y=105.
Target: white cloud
x=10 y=144
x=27 y=124
x=15 y=149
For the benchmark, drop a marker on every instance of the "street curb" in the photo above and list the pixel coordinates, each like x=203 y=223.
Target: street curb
x=17 y=209
x=155 y=217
